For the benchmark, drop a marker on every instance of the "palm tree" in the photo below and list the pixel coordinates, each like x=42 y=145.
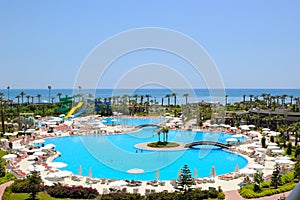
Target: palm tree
x=251 y=96
x=168 y=96
x=59 y=95
x=28 y=97
x=186 y=98
x=49 y=88
x=226 y=98
x=22 y=94
x=136 y=97
x=295 y=127
x=244 y=98
x=52 y=99
x=142 y=99
x=283 y=97
x=165 y=131
x=39 y=96
x=162 y=101
x=18 y=97
x=175 y=96
x=32 y=97
x=148 y=97
x=291 y=97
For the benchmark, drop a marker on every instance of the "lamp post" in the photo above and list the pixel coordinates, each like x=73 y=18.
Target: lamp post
x=8 y=92
x=49 y=87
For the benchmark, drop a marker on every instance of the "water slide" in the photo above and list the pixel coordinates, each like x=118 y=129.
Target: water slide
x=73 y=109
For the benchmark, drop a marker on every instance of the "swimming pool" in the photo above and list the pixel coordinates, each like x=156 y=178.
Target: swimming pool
x=133 y=121
x=110 y=156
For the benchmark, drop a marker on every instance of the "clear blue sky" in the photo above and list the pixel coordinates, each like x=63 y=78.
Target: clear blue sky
x=255 y=44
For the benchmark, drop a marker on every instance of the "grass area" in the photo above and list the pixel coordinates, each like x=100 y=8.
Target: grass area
x=163 y=144
x=41 y=196
x=2 y=153
x=6 y=178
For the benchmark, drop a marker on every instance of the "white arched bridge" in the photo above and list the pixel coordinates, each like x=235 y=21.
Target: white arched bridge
x=190 y=145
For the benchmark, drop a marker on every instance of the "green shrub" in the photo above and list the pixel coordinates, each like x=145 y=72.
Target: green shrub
x=20 y=186
x=76 y=192
x=248 y=193
x=288 y=177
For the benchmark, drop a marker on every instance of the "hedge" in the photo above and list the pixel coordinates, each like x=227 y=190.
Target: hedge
x=248 y=193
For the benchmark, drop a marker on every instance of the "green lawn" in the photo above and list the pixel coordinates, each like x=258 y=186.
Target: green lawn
x=41 y=196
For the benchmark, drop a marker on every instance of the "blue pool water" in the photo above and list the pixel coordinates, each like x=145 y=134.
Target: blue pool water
x=133 y=121
x=110 y=156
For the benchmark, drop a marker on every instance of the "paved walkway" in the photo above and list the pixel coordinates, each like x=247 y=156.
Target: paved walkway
x=234 y=195
x=3 y=186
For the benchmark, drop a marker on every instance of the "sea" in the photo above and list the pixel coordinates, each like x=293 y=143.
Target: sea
x=194 y=95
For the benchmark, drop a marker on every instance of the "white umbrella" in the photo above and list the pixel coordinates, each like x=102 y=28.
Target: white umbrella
x=8 y=134
x=251 y=126
x=283 y=161
x=261 y=149
x=227 y=126
x=3 y=140
x=41 y=141
x=275 y=134
x=247 y=171
x=57 y=164
x=231 y=140
x=265 y=129
x=238 y=136
x=9 y=156
x=273 y=147
x=48 y=146
x=39 y=153
x=233 y=128
x=283 y=158
x=38 y=168
x=256 y=166
x=118 y=183
x=254 y=133
x=277 y=151
x=245 y=128
x=236 y=169
x=272 y=144
x=19 y=147
x=135 y=171
x=213 y=172
x=63 y=173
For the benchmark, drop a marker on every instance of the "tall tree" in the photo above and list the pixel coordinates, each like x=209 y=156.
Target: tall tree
x=27 y=97
x=39 y=96
x=59 y=95
x=175 y=96
x=32 y=98
x=18 y=97
x=168 y=96
x=185 y=179
x=186 y=98
x=22 y=94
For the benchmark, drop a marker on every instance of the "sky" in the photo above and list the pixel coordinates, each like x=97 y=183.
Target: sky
x=253 y=44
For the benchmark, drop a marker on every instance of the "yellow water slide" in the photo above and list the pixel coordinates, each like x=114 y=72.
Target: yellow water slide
x=73 y=109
